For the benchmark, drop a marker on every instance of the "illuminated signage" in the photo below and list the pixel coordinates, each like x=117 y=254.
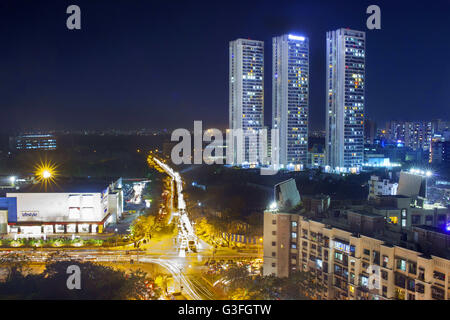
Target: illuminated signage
x=292 y=37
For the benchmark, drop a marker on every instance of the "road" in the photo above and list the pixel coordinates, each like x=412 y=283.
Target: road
x=183 y=270
x=180 y=258
x=187 y=240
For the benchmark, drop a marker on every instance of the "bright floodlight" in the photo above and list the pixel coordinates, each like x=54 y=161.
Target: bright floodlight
x=429 y=173
x=273 y=206
x=12 y=179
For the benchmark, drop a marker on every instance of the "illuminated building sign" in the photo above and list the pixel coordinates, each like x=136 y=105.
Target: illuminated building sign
x=292 y=37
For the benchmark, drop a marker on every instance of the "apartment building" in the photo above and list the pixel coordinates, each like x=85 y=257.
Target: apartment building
x=290 y=98
x=351 y=266
x=246 y=99
x=345 y=96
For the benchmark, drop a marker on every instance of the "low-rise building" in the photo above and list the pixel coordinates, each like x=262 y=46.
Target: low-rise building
x=379 y=186
x=81 y=206
x=29 y=142
x=316 y=205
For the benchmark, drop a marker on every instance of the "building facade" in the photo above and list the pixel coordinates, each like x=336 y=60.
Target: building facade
x=246 y=99
x=316 y=159
x=29 y=142
x=378 y=187
x=440 y=151
x=416 y=135
x=84 y=209
x=290 y=98
x=348 y=265
x=345 y=80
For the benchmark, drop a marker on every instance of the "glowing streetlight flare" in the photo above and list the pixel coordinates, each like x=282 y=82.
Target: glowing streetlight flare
x=46 y=173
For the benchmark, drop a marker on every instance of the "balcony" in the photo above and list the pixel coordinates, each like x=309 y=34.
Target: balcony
x=437 y=293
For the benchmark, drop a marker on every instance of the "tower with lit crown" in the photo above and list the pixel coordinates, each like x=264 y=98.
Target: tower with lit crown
x=290 y=98
x=345 y=81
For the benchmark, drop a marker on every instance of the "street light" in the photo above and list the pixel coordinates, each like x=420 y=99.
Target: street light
x=46 y=174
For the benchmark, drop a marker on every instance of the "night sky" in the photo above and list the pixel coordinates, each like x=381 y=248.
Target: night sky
x=164 y=64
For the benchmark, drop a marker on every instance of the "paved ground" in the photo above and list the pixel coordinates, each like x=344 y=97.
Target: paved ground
x=123 y=225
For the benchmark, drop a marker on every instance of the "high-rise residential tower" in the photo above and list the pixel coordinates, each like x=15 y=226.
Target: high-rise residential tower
x=290 y=99
x=344 y=141
x=246 y=110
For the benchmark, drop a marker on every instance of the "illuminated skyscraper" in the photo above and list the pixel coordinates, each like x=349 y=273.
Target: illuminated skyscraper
x=290 y=98
x=344 y=141
x=246 y=109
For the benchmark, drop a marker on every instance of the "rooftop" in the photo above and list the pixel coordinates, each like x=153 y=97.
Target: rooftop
x=365 y=213
x=397 y=196
x=79 y=185
x=433 y=229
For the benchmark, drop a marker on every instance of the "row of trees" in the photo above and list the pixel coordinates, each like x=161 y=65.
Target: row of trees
x=116 y=240
x=97 y=282
x=51 y=242
x=150 y=226
x=299 y=285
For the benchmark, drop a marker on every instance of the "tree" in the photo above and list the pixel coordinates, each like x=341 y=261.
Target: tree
x=300 y=285
x=97 y=283
x=238 y=276
x=15 y=264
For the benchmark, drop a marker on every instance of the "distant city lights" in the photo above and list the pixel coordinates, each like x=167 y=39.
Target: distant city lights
x=419 y=172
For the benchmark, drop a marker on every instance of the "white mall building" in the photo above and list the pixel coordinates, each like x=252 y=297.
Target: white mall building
x=86 y=207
